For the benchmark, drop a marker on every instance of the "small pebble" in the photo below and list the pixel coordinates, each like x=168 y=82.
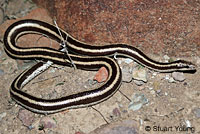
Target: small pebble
x=150 y=88
x=198 y=61
x=51 y=132
x=116 y=112
x=138 y=82
x=101 y=75
x=156 y=85
x=178 y=76
x=9 y=65
x=141 y=88
x=197 y=112
x=167 y=77
x=1 y=72
x=119 y=61
x=128 y=60
x=124 y=130
x=158 y=91
x=2 y=115
x=137 y=102
x=122 y=127
x=26 y=117
x=52 y=70
x=185 y=83
x=92 y=82
x=171 y=80
x=47 y=122
x=154 y=74
x=141 y=122
x=167 y=58
x=126 y=73
x=140 y=74
x=166 y=93
x=53 y=94
x=153 y=92
x=188 y=124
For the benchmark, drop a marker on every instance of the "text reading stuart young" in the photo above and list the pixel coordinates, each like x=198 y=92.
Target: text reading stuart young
x=170 y=129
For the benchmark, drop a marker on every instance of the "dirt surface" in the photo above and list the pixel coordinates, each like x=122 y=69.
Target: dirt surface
x=170 y=105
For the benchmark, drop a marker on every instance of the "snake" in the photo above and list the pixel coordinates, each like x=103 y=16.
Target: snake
x=83 y=56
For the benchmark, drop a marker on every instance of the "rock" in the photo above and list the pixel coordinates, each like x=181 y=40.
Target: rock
x=47 y=122
x=123 y=127
x=188 y=123
x=197 y=112
x=128 y=60
x=2 y=115
x=116 y=112
x=138 y=82
x=9 y=65
x=126 y=73
x=178 y=76
x=140 y=74
x=169 y=79
x=26 y=117
x=137 y=102
x=167 y=58
x=1 y=72
x=198 y=61
x=128 y=22
x=101 y=75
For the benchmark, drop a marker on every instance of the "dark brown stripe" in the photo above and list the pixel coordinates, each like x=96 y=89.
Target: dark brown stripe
x=23 y=76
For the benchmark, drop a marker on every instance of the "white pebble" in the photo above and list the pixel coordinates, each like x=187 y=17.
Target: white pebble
x=137 y=102
x=128 y=60
x=140 y=74
x=150 y=88
x=166 y=58
x=178 y=76
x=167 y=77
x=138 y=82
x=2 y=115
x=126 y=73
x=188 y=124
x=119 y=61
x=171 y=80
x=155 y=73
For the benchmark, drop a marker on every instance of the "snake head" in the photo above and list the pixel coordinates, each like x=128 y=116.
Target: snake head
x=186 y=66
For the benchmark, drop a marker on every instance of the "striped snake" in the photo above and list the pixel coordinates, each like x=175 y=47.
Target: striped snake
x=84 y=56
